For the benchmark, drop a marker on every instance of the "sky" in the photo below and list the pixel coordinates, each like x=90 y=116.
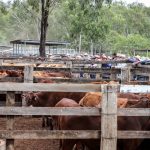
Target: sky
x=145 y=2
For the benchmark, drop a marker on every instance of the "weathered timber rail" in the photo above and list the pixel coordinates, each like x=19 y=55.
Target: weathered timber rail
x=125 y=73
x=74 y=61
x=108 y=113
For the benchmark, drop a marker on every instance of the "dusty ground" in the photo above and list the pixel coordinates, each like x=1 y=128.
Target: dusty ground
x=30 y=124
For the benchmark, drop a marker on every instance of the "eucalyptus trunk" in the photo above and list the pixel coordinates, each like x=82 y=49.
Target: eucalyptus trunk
x=45 y=4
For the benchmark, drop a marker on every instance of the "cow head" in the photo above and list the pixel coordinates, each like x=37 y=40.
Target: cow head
x=146 y=100
x=30 y=98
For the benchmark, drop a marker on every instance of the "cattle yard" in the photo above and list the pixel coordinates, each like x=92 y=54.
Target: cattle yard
x=108 y=133
x=74 y=69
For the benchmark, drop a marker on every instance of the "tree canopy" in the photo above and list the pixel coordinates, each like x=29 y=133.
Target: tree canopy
x=115 y=27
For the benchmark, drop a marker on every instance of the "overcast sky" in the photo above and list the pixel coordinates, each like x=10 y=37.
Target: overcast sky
x=146 y=2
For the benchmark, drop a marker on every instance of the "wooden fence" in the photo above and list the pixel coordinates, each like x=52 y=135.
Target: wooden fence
x=109 y=112
x=70 y=62
x=125 y=73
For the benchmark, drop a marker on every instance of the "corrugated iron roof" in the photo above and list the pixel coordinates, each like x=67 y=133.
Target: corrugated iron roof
x=142 y=50
x=36 y=42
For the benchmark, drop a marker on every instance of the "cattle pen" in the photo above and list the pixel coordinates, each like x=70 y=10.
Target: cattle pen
x=108 y=134
x=126 y=73
x=108 y=113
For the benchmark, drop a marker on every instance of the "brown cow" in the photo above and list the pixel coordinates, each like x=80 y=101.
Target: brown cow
x=14 y=73
x=76 y=123
x=135 y=123
x=42 y=74
x=105 y=82
x=11 y=73
x=132 y=102
x=132 y=98
x=49 y=99
x=145 y=145
x=93 y=99
x=146 y=95
x=129 y=96
x=93 y=123
x=39 y=74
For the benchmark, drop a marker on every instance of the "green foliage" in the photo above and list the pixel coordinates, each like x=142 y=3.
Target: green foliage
x=129 y=27
x=86 y=18
x=34 y=4
x=4 y=8
x=125 y=44
x=115 y=27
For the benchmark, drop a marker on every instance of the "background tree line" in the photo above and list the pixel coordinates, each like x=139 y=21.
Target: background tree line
x=97 y=24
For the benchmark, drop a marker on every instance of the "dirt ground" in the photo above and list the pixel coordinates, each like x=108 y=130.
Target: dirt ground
x=30 y=124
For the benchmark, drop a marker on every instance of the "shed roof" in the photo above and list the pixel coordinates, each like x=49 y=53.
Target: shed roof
x=142 y=50
x=36 y=42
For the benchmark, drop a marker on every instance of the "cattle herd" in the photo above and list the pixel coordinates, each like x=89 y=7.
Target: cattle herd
x=92 y=99
x=98 y=57
x=38 y=74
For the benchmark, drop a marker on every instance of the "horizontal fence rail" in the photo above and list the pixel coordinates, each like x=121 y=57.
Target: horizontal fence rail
x=71 y=111
x=133 y=135
x=69 y=87
x=68 y=134
x=63 y=87
x=74 y=69
x=134 y=89
x=125 y=75
x=47 y=111
x=75 y=61
x=108 y=113
x=41 y=134
x=69 y=80
x=59 y=80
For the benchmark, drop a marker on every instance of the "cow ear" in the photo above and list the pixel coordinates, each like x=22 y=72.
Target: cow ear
x=36 y=98
x=148 y=103
x=145 y=99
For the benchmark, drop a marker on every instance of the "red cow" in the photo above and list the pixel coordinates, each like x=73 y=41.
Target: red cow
x=94 y=99
x=129 y=96
x=14 y=73
x=93 y=123
x=77 y=123
x=134 y=123
x=49 y=99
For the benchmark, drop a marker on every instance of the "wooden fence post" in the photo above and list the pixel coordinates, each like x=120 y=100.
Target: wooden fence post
x=125 y=74
x=69 y=64
x=1 y=62
x=28 y=78
x=97 y=76
x=28 y=74
x=109 y=117
x=113 y=76
x=10 y=102
x=2 y=145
